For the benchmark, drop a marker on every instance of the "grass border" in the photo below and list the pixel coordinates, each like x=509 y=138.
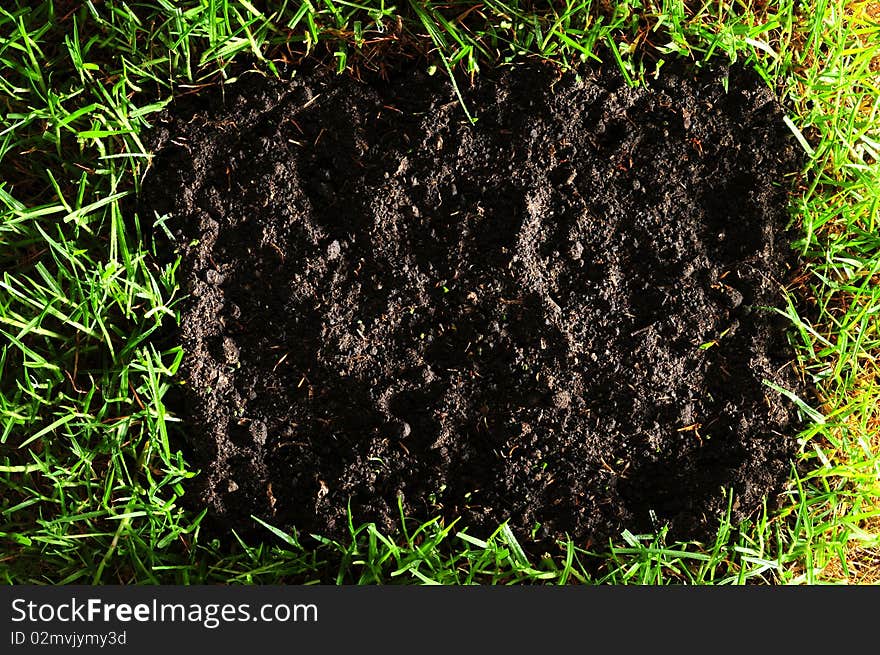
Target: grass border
x=90 y=482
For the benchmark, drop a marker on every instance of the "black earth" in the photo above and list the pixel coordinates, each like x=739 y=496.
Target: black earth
x=559 y=316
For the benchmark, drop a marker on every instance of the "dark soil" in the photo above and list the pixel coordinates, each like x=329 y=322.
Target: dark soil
x=557 y=316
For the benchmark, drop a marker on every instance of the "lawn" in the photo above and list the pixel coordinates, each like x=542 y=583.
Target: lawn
x=91 y=480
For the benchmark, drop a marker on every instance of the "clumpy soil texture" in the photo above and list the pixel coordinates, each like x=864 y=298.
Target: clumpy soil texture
x=557 y=316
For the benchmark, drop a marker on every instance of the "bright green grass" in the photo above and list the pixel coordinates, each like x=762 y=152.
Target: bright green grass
x=90 y=487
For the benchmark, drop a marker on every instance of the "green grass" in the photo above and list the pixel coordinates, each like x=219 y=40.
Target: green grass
x=90 y=487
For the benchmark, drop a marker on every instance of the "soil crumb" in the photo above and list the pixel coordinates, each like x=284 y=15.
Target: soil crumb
x=559 y=316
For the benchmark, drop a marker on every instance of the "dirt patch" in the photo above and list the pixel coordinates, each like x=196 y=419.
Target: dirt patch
x=556 y=316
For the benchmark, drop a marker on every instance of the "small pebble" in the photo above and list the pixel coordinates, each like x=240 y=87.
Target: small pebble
x=230 y=350
x=259 y=432
x=334 y=250
x=732 y=297
x=214 y=277
x=562 y=399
